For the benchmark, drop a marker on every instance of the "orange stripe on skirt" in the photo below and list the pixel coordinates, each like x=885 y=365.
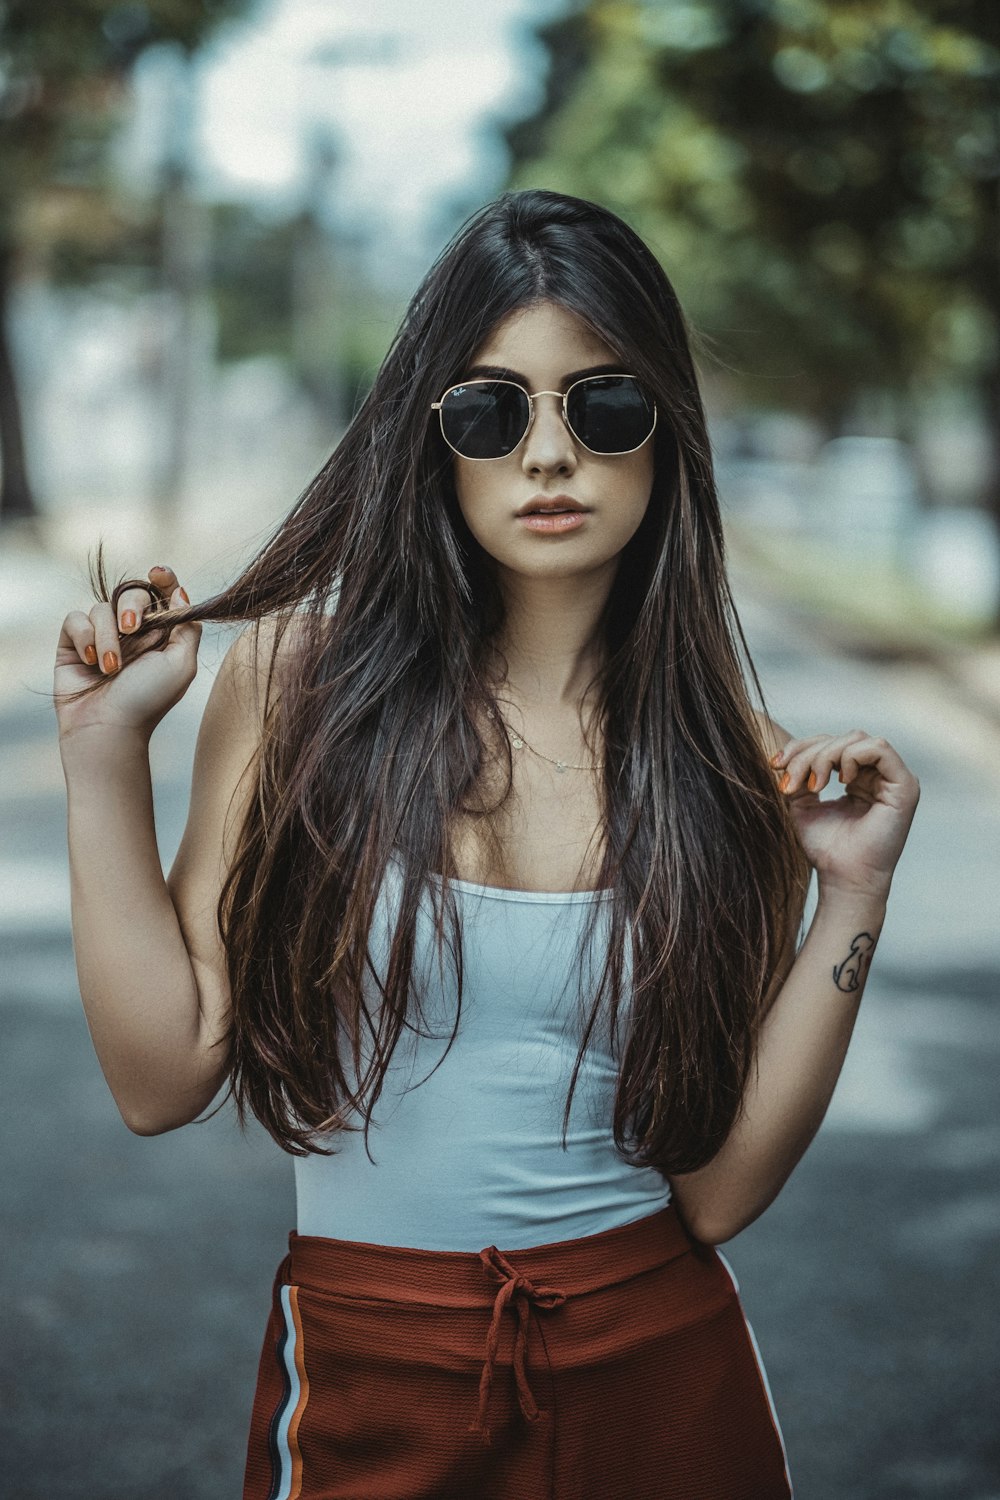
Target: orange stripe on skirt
x=293 y=1426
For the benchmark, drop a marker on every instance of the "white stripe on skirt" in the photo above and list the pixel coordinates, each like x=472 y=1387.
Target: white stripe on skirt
x=760 y=1367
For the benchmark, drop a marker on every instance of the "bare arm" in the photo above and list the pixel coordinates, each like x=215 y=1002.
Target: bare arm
x=149 y=961
x=800 y=1054
x=136 y=977
x=853 y=842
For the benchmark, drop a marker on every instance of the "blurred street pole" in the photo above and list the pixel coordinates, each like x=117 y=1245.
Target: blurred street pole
x=17 y=500
x=317 y=321
x=318 y=280
x=187 y=320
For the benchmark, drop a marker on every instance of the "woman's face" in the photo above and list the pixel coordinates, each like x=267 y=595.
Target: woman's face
x=546 y=348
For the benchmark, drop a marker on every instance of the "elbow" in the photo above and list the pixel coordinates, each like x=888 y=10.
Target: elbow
x=708 y=1228
x=152 y=1115
x=709 y=1223
x=140 y=1124
x=715 y=1231
x=142 y=1120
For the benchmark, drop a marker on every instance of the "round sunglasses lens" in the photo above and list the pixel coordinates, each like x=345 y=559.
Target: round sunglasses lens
x=610 y=413
x=484 y=420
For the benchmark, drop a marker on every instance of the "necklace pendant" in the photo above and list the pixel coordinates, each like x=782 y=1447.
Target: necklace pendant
x=517 y=742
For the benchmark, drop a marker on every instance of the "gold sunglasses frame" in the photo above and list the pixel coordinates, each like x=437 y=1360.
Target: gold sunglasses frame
x=564 y=397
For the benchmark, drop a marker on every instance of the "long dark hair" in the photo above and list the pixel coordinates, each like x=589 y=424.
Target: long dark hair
x=374 y=742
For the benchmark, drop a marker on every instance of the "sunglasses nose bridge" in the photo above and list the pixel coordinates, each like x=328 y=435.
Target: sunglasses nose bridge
x=532 y=397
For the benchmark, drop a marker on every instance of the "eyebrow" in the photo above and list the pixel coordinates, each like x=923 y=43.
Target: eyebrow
x=498 y=372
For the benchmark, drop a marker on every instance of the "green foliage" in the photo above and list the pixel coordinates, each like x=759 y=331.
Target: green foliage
x=252 y=257
x=62 y=74
x=819 y=177
x=253 y=275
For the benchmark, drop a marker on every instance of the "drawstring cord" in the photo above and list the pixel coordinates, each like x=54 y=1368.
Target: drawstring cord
x=524 y=1294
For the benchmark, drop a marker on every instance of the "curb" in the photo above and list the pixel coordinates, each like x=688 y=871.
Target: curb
x=969 y=667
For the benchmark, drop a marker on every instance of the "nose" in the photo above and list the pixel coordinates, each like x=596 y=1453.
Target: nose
x=549 y=443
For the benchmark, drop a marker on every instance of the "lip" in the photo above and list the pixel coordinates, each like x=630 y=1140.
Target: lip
x=554 y=524
x=546 y=503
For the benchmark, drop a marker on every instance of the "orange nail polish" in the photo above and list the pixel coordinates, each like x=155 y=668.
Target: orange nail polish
x=811 y=783
x=110 y=660
x=183 y=594
x=128 y=619
x=90 y=655
x=784 y=782
x=776 y=757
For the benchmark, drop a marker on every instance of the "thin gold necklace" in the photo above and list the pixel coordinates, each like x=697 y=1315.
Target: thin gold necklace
x=520 y=743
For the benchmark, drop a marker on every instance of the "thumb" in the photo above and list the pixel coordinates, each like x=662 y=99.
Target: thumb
x=186 y=633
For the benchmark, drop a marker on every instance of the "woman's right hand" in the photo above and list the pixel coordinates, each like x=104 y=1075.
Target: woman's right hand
x=135 y=697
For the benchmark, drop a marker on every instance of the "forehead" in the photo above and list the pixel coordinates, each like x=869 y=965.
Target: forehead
x=545 y=334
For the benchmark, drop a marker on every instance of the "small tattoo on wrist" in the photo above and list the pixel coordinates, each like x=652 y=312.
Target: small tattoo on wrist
x=849 y=974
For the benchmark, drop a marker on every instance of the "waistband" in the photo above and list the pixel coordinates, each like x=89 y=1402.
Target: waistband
x=454 y=1278
x=539 y=1278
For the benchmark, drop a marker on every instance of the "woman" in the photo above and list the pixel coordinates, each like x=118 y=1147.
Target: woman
x=509 y=876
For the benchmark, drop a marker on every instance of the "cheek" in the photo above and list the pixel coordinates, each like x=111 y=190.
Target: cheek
x=480 y=498
x=633 y=493
x=645 y=473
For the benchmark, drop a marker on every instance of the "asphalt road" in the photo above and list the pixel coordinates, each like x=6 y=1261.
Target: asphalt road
x=137 y=1272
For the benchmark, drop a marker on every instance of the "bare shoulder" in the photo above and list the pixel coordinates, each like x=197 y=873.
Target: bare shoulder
x=773 y=736
x=260 y=655
x=257 y=662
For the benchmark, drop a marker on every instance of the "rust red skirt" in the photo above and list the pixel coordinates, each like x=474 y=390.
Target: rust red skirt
x=619 y=1365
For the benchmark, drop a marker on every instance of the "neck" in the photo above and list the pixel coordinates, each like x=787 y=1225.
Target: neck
x=550 y=638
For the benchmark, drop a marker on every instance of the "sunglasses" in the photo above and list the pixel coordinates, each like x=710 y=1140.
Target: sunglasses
x=484 y=419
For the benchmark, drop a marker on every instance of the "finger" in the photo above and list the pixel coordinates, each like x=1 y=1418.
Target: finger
x=873 y=754
x=808 y=769
x=77 y=634
x=106 y=642
x=178 y=598
x=132 y=605
x=792 y=747
x=827 y=758
x=186 y=630
x=784 y=760
x=166 y=580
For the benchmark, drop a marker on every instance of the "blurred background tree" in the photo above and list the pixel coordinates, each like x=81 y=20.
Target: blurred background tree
x=820 y=177
x=275 y=294
x=63 y=89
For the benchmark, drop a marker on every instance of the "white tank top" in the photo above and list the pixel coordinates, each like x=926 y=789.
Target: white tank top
x=473 y=1155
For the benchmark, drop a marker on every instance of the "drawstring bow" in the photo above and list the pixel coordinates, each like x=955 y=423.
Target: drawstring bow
x=517 y=1289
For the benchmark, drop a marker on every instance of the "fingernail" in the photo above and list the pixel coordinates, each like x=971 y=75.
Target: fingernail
x=783 y=784
x=776 y=758
x=183 y=594
x=159 y=568
x=128 y=619
x=840 y=777
x=110 y=660
x=90 y=655
x=811 y=782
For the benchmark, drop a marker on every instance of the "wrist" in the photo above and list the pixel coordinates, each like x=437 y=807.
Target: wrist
x=871 y=897
x=93 y=748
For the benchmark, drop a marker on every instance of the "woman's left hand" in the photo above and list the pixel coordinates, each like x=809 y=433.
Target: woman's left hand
x=853 y=841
